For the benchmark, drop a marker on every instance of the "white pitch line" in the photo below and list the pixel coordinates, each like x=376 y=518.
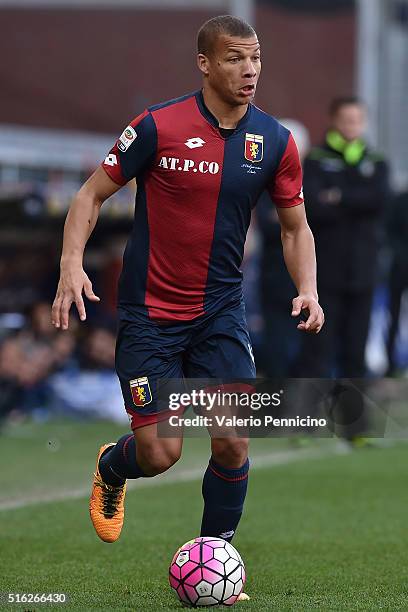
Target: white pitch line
x=181 y=475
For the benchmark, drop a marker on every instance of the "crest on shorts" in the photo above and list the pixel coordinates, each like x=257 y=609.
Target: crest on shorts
x=140 y=390
x=254 y=147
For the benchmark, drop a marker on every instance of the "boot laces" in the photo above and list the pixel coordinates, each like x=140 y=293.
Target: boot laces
x=111 y=497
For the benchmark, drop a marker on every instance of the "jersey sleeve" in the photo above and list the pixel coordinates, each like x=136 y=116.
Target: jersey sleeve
x=134 y=150
x=285 y=187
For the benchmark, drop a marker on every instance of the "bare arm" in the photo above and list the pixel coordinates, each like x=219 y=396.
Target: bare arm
x=80 y=222
x=300 y=259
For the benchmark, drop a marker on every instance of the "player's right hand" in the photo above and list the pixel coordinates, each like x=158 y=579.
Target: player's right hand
x=72 y=284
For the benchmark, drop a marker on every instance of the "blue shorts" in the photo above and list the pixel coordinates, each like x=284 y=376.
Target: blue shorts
x=216 y=346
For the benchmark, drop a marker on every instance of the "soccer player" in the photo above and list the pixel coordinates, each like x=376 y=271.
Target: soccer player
x=200 y=162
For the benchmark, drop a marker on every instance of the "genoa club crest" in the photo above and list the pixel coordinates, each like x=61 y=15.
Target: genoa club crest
x=140 y=390
x=253 y=147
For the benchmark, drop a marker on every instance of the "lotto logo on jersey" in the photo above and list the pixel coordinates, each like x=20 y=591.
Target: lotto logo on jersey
x=188 y=165
x=140 y=390
x=111 y=160
x=126 y=138
x=253 y=147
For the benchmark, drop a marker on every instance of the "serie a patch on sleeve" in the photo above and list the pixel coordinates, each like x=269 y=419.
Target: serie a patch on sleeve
x=126 y=138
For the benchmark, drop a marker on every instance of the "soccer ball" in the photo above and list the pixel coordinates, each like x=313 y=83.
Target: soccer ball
x=207 y=572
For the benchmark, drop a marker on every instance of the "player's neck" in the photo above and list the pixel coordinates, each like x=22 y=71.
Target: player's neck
x=227 y=116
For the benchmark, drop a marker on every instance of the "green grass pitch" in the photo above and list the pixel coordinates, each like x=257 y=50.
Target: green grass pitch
x=322 y=530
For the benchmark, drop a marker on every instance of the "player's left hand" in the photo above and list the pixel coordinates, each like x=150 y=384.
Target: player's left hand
x=315 y=315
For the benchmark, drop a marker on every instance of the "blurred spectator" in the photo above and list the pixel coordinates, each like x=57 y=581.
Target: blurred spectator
x=92 y=389
x=398 y=279
x=45 y=370
x=280 y=338
x=98 y=352
x=29 y=357
x=346 y=192
x=10 y=389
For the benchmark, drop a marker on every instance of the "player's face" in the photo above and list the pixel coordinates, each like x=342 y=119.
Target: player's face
x=233 y=68
x=350 y=121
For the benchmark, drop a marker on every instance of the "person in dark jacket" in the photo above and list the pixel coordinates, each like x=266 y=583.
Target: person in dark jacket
x=346 y=192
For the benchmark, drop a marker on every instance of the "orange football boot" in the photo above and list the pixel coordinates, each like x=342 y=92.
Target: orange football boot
x=107 y=505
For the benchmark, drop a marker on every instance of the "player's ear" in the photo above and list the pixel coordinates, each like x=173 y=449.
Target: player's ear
x=202 y=63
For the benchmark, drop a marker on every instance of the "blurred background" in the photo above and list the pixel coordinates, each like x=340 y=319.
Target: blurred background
x=74 y=73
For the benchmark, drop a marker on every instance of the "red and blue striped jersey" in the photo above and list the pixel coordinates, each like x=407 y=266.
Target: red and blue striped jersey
x=195 y=193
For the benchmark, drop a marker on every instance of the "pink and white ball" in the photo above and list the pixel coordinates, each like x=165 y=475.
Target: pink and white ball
x=207 y=572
